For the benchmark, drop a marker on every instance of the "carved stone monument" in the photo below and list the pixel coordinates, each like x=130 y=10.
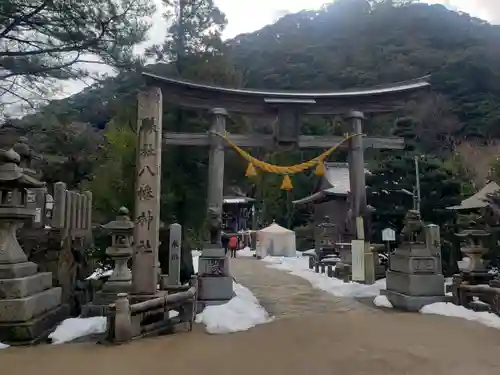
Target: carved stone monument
x=415 y=278
x=215 y=283
x=145 y=263
x=29 y=306
x=174 y=264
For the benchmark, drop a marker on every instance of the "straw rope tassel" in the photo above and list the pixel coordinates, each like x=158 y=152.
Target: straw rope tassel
x=250 y=172
x=287 y=183
x=320 y=168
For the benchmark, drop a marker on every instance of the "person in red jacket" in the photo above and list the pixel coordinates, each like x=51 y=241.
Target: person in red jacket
x=233 y=246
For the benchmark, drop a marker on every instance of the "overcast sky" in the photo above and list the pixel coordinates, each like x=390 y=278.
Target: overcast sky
x=250 y=15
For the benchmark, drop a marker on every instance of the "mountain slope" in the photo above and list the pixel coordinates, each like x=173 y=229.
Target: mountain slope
x=353 y=43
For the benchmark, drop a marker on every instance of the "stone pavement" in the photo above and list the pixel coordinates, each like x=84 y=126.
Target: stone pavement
x=313 y=333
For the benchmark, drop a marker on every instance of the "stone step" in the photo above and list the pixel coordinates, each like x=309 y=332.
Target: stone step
x=25 y=286
x=26 y=308
x=33 y=330
x=17 y=270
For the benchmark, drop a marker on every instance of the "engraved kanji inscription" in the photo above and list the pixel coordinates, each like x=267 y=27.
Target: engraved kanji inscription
x=145 y=192
x=148 y=125
x=215 y=267
x=147 y=150
x=145 y=219
x=148 y=169
x=423 y=265
x=144 y=246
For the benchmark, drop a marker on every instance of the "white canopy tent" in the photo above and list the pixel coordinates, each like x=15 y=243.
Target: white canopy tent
x=276 y=241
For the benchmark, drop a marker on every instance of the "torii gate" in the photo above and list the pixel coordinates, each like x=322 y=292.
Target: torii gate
x=286 y=106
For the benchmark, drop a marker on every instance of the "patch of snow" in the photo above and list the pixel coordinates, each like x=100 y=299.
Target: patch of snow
x=299 y=266
x=382 y=301
x=245 y=252
x=241 y=313
x=99 y=273
x=449 y=309
x=3 y=346
x=73 y=328
x=196 y=255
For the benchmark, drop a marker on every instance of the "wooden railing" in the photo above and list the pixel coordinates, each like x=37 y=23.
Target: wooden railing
x=151 y=317
x=476 y=297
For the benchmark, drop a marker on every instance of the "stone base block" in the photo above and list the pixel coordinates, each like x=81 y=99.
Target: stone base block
x=26 y=308
x=25 y=286
x=410 y=303
x=17 y=270
x=34 y=330
x=415 y=284
x=215 y=288
x=213 y=252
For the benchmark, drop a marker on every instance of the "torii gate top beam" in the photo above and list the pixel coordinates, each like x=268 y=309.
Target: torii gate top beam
x=384 y=98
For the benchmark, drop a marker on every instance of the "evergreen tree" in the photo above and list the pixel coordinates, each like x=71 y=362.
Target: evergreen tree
x=392 y=185
x=45 y=41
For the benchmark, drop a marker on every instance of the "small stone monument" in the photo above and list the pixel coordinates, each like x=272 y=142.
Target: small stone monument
x=215 y=281
x=120 y=252
x=29 y=305
x=414 y=278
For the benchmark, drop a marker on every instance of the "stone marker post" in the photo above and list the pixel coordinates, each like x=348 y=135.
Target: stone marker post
x=174 y=262
x=147 y=202
x=433 y=242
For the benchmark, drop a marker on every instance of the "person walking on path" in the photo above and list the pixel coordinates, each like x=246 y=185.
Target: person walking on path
x=233 y=246
x=225 y=242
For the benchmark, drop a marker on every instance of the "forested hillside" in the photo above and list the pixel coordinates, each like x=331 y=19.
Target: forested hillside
x=350 y=43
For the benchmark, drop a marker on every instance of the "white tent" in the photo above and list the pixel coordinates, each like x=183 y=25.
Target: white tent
x=276 y=241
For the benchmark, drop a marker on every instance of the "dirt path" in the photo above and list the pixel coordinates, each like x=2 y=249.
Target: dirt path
x=327 y=337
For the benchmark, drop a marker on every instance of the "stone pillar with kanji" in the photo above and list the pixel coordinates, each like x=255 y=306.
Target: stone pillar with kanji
x=145 y=269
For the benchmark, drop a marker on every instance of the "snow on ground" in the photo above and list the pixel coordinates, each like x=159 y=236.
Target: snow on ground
x=99 y=273
x=3 y=346
x=299 y=266
x=241 y=313
x=449 y=309
x=245 y=252
x=73 y=328
x=382 y=301
x=195 y=254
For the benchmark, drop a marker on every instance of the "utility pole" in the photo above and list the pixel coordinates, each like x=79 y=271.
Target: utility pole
x=417 y=184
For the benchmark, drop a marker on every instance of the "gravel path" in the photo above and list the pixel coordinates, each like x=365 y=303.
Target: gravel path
x=313 y=333
x=286 y=295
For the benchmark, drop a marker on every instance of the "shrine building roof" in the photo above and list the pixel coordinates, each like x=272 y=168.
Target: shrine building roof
x=335 y=182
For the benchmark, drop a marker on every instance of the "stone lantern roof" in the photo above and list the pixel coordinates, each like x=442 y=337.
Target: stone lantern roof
x=11 y=174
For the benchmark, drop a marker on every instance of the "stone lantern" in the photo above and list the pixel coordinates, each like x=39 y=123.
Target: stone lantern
x=14 y=211
x=29 y=305
x=120 y=251
x=473 y=247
